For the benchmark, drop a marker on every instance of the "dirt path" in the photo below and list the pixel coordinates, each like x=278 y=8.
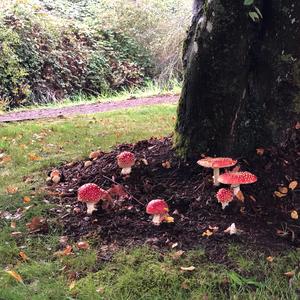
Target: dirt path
x=85 y=108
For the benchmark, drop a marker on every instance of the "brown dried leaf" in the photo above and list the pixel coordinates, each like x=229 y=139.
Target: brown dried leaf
x=12 y=189
x=283 y=189
x=33 y=157
x=293 y=185
x=294 y=215
x=67 y=251
x=290 y=274
x=83 y=245
x=270 y=258
x=13 y=225
x=16 y=233
x=297 y=126
x=240 y=196
x=37 y=224
x=177 y=254
x=279 y=195
x=15 y=275
x=166 y=164
x=23 y=256
x=260 y=151
x=117 y=191
x=26 y=199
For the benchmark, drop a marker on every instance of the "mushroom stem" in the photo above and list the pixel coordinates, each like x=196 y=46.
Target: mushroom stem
x=156 y=220
x=216 y=176
x=90 y=207
x=235 y=188
x=126 y=171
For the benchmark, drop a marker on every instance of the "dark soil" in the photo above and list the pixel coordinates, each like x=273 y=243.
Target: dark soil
x=265 y=220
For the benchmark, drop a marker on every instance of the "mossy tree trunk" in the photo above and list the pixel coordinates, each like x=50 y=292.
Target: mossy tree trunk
x=242 y=77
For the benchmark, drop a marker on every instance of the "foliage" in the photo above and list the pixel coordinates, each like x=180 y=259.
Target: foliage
x=44 y=58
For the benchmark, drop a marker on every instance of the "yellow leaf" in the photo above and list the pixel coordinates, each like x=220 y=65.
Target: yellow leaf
x=293 y=185
x=191 y=268
x=33 y=156
x=240 y=196
x=72 y=285
x=26 y=199
x=169 y=219
x=23 y=256
x=15 y=275
x=283 y=190
x=279 y=195
x=207 y=233
x=294 y=215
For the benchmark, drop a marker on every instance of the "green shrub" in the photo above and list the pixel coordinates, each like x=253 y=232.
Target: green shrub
x=45 y=58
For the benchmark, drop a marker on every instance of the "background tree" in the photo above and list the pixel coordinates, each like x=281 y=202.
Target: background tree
x=242 y=76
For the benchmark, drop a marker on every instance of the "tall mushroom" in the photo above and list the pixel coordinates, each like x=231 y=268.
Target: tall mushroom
x=235 y=179
x=159 y=209
x=224 y=196
x=91 y=194
x=125 y=161
x=216 y=163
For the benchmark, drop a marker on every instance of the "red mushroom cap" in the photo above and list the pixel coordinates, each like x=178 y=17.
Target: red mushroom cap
x=157 y=207
x=224 y=195
x=125 y=159
x=216 y=162
x=237 y=178
x=90 y=192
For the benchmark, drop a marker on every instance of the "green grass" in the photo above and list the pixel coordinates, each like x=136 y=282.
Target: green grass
x=150 y=89
x=138 y=273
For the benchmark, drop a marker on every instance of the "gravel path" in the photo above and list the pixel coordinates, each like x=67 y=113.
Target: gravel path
x=85 y=108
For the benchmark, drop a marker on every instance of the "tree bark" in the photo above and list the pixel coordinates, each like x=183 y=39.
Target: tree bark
x=242 y=77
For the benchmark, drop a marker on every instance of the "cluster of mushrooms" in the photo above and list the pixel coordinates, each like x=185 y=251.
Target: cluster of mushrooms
x=234 y=179
x=91 y=193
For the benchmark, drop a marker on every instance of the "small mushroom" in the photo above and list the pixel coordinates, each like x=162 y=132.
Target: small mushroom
x=216 y=163
x=235 y=179
x=159 y=209
x=91 y=194
x=125 y=161
x=224 y=196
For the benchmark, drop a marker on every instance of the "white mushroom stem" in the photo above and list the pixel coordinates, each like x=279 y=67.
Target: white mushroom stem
x=224 y=204
x=90 y=207
x=126 y=171
x=235 y=188
x=216 y=176
x=156 y=220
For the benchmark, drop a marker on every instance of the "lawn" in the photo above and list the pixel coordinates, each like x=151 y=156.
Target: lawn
x=30 y=149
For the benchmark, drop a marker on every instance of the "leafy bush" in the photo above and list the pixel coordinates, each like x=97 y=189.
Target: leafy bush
x=44 y=58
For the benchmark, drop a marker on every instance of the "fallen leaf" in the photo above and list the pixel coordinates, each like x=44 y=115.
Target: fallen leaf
x=37 y=224
x=207 y=233
x=83 y=245
x=293 y=185
x=67 y=251
x=118 y=192
x=95 y=154
x=166 y=164
x=15 y=275
x=145 y=162
x=213 y=228
x=100 y=290
x=87 y=163
x=13 y=225
x=54 y=172
x=290 y=274
x=297 y=126
x=5 y=159
x=283 y=189
x=240 y=196
x=23 y=256
x=72 y=285
x=33 y=157
x=294 y=215
x=12 y=189
x=260 y=151
x=232 y=229
x=270 y=258
x=177 y=254
x=169 y=219
x=55 y=179
x=26 y=199
x=279 y=195
x=174 y=245
x=16 y=233
x=191 y=268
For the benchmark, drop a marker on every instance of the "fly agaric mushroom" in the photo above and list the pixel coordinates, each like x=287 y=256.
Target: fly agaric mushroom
x=125 y=161
x=235 y=179
x=216 y=163
x=159 y=209
x=91 y=194
x=224 y=196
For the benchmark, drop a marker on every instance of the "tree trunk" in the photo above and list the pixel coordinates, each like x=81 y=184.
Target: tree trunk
x=242 y=77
